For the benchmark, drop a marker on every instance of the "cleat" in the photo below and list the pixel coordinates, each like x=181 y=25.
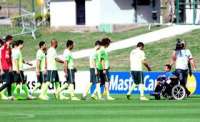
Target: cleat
x=75 y=99
x=31 y=97
x=43 y=97
x=94 y=97
x=144 y=99
x=62 y=97
x=128 y=97
x=110 y=98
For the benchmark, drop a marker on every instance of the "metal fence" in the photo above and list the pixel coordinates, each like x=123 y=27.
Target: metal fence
x=18 y=25
x=19 y=17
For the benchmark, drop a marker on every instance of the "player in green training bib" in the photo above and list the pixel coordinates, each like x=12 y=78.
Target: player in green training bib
x=18 y=73
x=52 y=73
x=41 y=71
x=103 y=66
x=93 y=74
x=69 y=70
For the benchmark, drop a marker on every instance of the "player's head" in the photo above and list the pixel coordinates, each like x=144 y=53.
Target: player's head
x=140 y=45
x=20 y=44
x=1 y=42
x=15 y=44
x=42 y=45
x=70 y=44
x=9 y=39
x=54 y=43
x=179 y=44
x=97 y=44
x=167 y=67
x=105 y=42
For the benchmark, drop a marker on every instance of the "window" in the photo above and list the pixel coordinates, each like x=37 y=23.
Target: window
x=143 y=2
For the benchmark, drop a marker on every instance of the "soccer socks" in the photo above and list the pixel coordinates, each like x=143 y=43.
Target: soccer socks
x=87 y=90
x=131 y=89
x=64 y=86
x=36 y=87
x=46 y=88
x=141 y=88
x=98 y=90
x=2 y=95
x=13 y=87
x=71 y=90
x=25 y=88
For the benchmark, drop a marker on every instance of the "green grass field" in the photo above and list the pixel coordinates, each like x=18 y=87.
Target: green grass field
x=120 y=110
x=157 y=53
x=82 y=40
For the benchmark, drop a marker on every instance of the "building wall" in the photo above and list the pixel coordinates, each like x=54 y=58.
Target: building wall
x=116 y=11
x=92 y=12
x=62 y=13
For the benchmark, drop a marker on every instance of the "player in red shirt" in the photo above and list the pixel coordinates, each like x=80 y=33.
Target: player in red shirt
x=6 y=65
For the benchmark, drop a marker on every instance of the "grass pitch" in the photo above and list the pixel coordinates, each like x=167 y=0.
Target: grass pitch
x=120 y=110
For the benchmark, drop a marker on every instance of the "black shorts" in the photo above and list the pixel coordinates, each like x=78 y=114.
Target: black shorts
x=7 y=77
x=70 y=76
x=19 y=77
x=42 y=78
x=138 y=77
x=93 y=77
x=103 y=77
x=52 y=76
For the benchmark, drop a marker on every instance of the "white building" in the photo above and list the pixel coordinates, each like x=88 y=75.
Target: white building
x=96 y=12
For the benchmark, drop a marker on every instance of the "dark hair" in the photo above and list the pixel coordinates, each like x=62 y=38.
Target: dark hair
x=69 y=43
x=8 y=37
x=179 y=44
x=15 y=43
x=1 y=42
x=41 y=43
x=105 y=41
x=168 y=66
x=140 y=44
x=20 y=42
x=97 y=43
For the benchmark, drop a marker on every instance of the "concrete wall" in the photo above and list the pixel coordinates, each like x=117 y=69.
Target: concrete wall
x=62 y=13
x=116 y=11
x=92 y=12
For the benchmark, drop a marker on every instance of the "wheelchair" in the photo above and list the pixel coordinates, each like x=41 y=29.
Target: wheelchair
x=169 y=88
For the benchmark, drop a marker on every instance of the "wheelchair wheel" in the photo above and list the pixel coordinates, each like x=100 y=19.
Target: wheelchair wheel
x=178 y=92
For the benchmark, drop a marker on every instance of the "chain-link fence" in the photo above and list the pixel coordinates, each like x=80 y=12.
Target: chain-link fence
x=19 y=17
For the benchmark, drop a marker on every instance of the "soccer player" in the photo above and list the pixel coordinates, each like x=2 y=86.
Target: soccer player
x=41 y=70
x=69 y=70
x=2 y=94
x=93 y=74
x=103 y=66
x=18 y=73
x=6 y=66
x=52 y=73
x=137 y=58
x=181 y=57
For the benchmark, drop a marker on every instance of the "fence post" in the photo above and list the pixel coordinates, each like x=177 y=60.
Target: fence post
x=177 y=11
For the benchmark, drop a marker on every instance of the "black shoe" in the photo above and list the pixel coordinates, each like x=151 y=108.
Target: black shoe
x=128 y=97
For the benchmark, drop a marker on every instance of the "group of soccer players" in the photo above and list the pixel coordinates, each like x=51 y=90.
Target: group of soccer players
x=14 y=81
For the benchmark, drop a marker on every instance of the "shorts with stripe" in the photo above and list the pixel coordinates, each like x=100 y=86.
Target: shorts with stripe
x=93 y=77
x=19 y=77
x=70 y=76
x=52 y=76
x=138 y=77
x=42 y=78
